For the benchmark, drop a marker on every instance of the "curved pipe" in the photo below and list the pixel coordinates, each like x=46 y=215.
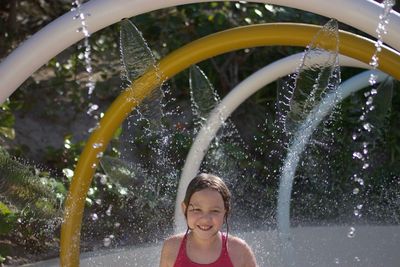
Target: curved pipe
x=224 y=109
x=243 y=37
x=62 y=32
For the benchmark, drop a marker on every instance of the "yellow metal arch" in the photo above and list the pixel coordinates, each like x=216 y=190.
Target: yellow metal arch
x=282 y=34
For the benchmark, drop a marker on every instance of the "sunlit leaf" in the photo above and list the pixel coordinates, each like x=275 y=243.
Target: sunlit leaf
x=7 y=132
x=121 y=171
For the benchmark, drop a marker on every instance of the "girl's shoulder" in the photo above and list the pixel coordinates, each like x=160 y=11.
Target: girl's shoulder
x=240 y=252
x=173 y=242
x=237 y=243
x=170 y=249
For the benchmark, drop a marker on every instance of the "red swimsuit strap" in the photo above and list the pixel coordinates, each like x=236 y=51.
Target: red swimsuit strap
x=183 y=260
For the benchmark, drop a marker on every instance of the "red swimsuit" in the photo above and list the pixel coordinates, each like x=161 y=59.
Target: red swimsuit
x=182 y=260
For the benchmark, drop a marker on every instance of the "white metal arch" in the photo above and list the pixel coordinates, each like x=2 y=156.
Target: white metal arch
x=62 y=32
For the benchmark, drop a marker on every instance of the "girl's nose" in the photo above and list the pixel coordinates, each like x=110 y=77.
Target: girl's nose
x=206 y=217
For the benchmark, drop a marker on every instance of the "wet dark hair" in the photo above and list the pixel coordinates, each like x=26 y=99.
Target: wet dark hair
x=209 y=181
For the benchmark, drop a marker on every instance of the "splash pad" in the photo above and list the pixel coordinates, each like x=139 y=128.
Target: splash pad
x=176 y=62
x=315 y=246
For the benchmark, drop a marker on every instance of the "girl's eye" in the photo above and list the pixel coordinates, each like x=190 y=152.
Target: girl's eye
x=215 y=211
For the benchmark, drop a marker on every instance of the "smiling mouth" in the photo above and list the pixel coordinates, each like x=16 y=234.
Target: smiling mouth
x=204 y=228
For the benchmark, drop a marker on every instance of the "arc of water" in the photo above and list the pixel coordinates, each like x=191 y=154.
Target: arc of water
x=311 y=83
x=62 y=32
x=202 y=95
x=204 y=99
x=136 y=58
x=302 y=137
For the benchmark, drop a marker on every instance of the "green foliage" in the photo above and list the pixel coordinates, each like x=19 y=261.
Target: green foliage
x=7 y=121
x=28 y=188
x=7 y=219
x=30 y=206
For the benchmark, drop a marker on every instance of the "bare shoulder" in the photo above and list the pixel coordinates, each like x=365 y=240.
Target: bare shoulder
x=240 y=253
x=173 y=241
x=170 y=250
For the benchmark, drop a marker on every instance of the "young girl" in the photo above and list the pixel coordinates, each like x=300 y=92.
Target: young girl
x=206 y=207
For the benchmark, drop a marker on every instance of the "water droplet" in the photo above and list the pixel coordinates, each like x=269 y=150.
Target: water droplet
x=89 y=201
x=359 y=181
x=92 y=129
x=356 y=191
x=94 y=165
x=378 y=44
x=92 y=108
x=357 y=259
x=337 y=261
x=356 y=212
x=372 y=77
x=90 y=191
x=98 y=201
x=123 y=191
x=94 y=216
x=117 y=224
x=365 y=144
x=68 y=172
x=351 y=233
x=359 y=206
x=103 y=179
x=107 y=241
x=374 y=63
x=365 y=166
x=381 y=29
x=367 y=126
x=370 y=100
x=81 y=56
x=99 y=155
x=97 y=145
x=357 y=155
x=108 y=211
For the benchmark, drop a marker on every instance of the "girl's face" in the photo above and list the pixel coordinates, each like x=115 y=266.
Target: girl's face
x=205 y=213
